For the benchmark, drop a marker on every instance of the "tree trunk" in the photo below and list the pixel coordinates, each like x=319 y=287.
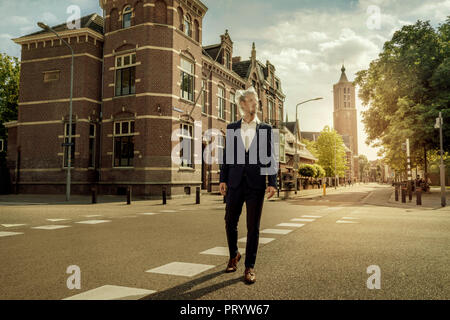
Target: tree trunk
x=425 y=169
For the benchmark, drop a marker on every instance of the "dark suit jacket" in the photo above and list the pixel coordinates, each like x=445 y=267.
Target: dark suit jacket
x=233 y=170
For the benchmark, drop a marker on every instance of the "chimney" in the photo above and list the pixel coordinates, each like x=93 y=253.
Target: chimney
x=236 y=59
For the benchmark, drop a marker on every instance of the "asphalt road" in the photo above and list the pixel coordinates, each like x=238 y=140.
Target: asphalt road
x=326 y=258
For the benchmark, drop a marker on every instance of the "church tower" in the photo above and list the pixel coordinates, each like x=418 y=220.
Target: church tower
x=344 y=115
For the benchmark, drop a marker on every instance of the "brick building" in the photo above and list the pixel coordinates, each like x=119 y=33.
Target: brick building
x=138 y=73
x=345 y=121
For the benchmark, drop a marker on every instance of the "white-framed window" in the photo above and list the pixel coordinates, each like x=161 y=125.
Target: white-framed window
x=2 y=145
x=187 y=143
x=187 y=79
x=126 y=74
x=270 y=109
x=233 y=107
x=227 y=60
x=204 y=96
x=188 y=25
x=221 y=102
x=126 y=17
x=124 y=143
x=66 y=147
x=282 y=155
x=92 y=134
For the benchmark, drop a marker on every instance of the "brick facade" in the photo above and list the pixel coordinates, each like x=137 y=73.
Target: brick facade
x=128 y=68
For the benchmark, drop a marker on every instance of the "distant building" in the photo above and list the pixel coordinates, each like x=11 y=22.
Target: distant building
x=345 y=120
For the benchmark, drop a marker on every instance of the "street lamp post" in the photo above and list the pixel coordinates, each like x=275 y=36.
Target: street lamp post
x=296 y=139
x=440 y=124
x=69 y=145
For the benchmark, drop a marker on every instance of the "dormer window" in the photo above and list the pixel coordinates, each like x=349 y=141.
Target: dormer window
x=126 y=17
x=227 y=60
x=188 y=25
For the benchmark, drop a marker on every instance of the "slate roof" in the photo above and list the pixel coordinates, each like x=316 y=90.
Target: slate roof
x=92 y=21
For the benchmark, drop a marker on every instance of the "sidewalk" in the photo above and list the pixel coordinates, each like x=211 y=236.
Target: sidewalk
x=430 y=200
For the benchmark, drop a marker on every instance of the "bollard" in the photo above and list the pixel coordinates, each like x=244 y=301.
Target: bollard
x=409 y=191
x=396 y=192
x=129 y=195
x=197 y=195
x=164 y=195
x=403 y=194
x=324 y=189
x=94 y=195
x=418 y=196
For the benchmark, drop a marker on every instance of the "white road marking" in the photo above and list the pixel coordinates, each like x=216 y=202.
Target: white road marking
x=316 y=217
x=334 y=208
x=93 y=221
x=51 y=227
x=221 y=251
x=93 y=215
x=303 y=220
x=346 y=221
x=168 y=211
x=109 y=292
x=181 y=269
x=297 y=225
x=276 y=231
x=149 y=213
x=261 y=240
x=7 y=234
x=10 y=225
x=56 y=220
x=350 y=218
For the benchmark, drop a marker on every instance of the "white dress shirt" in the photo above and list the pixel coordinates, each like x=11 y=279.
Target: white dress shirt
x=248 y=131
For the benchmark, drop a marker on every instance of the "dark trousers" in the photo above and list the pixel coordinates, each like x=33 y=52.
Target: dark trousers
x=254 y=199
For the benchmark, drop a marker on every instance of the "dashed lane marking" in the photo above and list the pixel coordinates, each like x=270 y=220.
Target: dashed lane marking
x=11 y=225
x=181 y=269
x=221 y=251
x=345 y=221
x=315 y=217
x=303 y=220
x=109 y=292
x=297 y=225
x=93 y=221
x=50 y=227
x=56 y=220
x=8 y=234
x=276 y=231
x=261 y=240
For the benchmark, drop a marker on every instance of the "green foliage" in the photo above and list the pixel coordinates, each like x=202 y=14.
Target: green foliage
x=404 y=90
x=328 y=145
x=311 y=146
x=364 y=166
x=9 y=90
x=307 y=170
x=320 y=172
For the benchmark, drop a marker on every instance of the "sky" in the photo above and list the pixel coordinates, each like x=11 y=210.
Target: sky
x=306 y=40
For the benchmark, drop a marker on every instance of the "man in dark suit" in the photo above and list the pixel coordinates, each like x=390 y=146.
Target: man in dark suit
x=247 y=161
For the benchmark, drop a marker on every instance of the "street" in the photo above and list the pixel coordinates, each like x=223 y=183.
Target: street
x=311 y=247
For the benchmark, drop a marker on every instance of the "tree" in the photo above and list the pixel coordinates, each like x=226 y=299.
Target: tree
x=320 y=172
x=9 y=90
x=364 y=166
x=307 y=170
x=404 y=90
x=326 y=152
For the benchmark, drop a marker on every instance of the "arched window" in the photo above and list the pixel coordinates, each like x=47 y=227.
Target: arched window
x=188 y=25
x=181 y=19
x=126 y=17
x=197 y=30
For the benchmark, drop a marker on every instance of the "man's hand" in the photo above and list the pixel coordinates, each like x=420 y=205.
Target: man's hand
x=223 y=188
x=270 y=191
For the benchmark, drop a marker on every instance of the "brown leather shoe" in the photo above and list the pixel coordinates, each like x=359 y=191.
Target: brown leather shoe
x=232 y=263
x=249 y=275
